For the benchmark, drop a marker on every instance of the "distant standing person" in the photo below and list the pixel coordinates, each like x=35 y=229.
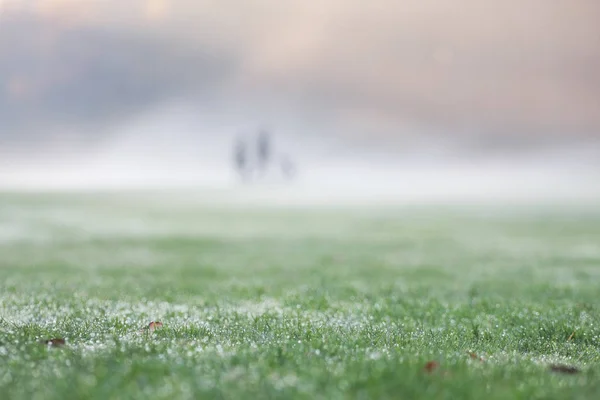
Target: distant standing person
x=263 y=151
x=240 y=159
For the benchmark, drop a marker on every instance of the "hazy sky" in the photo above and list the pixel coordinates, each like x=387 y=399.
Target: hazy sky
x=380 y=67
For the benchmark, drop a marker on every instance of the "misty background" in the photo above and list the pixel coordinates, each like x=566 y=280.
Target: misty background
x=490 y=98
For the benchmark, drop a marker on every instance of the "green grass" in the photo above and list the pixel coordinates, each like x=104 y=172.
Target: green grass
x=304 y=303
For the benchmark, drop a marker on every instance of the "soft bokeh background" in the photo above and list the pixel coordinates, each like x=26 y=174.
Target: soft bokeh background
x=382 y=98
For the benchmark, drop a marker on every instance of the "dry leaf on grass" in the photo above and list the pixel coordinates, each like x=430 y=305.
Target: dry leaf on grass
x=564 y=369
x=56 y=342
x=431 y=366
x=152 y=326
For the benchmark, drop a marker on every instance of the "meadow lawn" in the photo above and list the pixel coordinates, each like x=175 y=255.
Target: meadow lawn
x=406 y=302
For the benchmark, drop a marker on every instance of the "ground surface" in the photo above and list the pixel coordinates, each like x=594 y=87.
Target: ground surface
x=326 y=303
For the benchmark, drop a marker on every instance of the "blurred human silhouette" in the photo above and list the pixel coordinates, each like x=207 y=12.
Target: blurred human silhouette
x=240 y=159
x=263 y=149
x=254 y=159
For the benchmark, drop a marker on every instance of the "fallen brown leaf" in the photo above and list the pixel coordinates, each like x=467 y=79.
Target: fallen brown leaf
x=564 y=369
x=152 y=326
x=56 y=342
x=431 y=366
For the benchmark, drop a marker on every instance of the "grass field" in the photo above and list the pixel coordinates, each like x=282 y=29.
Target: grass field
x=295 y=303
